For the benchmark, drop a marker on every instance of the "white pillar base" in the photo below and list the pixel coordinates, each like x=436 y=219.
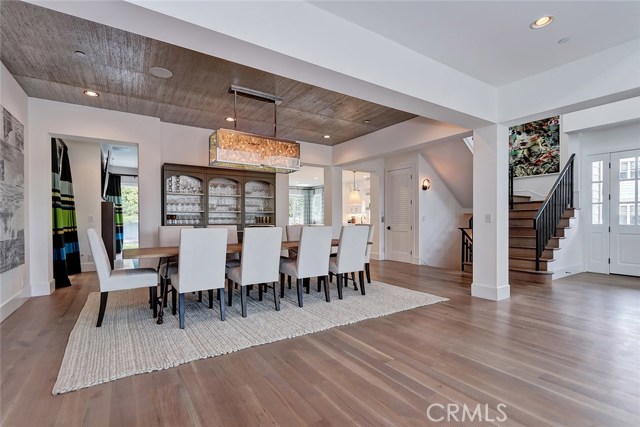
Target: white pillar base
x=490 y=292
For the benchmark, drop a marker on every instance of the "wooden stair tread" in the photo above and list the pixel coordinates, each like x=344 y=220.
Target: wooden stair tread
x=533 y=237
x=524 y=258
x=531 y=247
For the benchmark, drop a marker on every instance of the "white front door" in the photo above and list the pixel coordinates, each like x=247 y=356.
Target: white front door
x=625 y=219
x=596 y=175
x=399 y=214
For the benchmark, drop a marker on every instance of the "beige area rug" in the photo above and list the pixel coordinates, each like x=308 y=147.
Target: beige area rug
x=129 y=339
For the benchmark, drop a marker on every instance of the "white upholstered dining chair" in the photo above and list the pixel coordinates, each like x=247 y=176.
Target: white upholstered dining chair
x=201 y=266
x=367 y=254
x=351 y=255
x=312 y=260
x=169 y=235
x=118 y=280
x=259 y=265
x=233 y=260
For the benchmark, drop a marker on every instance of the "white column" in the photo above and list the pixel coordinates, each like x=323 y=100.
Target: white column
x=490 y=213
x=333 y=198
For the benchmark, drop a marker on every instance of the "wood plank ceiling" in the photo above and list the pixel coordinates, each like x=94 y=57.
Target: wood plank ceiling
x=38 y=45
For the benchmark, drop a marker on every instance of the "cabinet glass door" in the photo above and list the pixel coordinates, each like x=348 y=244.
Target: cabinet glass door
x=224 y=201
x=184 y=200
x=258 y=203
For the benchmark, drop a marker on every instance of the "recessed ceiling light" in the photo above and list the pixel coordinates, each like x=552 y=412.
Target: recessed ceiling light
x=327 y=136
x=367 y=121
x=230 y=119
x=564 y=40
x=160 y=72
x=91 y=93
x=542 y=22
x=80 y=53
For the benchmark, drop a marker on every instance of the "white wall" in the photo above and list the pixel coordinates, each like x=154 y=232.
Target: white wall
x=85 y=163
x=14 y=284
x=438 y=220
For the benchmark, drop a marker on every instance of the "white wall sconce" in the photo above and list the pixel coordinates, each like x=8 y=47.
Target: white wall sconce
x=426 y=184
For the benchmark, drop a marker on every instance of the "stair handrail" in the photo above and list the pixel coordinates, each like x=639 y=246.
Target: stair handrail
x=548 y=217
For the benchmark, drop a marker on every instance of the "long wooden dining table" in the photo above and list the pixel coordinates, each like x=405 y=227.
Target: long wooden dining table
x=167 y=252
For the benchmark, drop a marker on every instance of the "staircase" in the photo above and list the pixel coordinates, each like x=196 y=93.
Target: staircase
x=531 y=222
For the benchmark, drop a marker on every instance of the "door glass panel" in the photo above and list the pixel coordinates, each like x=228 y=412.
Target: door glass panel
x=596 y=214
x=627 y=191
x=596 y=192
x=597 y=177
x=627 y=214
x=596 y=171
x=628 y=168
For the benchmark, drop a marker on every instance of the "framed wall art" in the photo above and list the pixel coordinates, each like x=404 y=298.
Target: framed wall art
x=534 y=148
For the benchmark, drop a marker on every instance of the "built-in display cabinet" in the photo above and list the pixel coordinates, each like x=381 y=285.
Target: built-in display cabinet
x=200 y=196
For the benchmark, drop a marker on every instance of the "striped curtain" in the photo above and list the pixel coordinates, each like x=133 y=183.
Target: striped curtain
x=114 y=195
x=66 y=251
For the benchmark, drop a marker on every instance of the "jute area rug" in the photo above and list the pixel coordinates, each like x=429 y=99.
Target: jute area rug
x=130 y=342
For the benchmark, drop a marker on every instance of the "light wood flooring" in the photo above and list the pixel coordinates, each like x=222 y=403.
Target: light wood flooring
x=565 y=354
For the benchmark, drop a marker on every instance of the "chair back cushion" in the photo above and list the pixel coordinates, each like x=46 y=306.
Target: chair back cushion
x=202 y=258
x=313 y=252
x=367 y=253
x=293 y=232
x=100 y=257
x=351 y=249
x=169 y=235
x=232 y=232
x=260 y=255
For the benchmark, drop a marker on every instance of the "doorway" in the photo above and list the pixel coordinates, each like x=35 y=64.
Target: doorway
x=614 y=219
x=399 y=214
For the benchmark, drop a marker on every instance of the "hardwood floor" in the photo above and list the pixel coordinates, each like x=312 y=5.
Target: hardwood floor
x=565 y=354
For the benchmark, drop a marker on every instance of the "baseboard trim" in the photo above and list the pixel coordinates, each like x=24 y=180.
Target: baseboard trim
x=14 y=303
x=87 y=266
x=559 y=273
x=490 y=292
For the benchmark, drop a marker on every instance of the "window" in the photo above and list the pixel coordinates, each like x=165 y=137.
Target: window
x=306 y=205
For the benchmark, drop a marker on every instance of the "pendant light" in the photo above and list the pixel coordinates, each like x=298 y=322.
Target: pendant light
x=354 y=195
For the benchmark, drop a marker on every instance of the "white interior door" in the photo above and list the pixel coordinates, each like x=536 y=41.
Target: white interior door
x=399 y=214
x=625 y=218
x=596 y=177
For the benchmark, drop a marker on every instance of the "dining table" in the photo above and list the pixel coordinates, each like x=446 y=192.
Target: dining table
x=165 y=253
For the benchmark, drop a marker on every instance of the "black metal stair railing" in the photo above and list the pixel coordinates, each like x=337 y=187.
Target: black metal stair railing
x=559 y=199
x=510 y=186
x=466 y=246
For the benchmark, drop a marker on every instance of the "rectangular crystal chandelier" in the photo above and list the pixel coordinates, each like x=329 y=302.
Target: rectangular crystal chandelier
x=241 y=150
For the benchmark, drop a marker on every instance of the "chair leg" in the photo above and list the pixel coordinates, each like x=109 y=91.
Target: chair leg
x=299 y=289
x=103 y=306
x=174 y=305
x=339 y=277
x=221 y=295
x=276 y=297
x=353 y=278
x=327 y=295
x=199 y=296
x=307 y=284
x=289 y=281
x=151 y=299
x=153 y=290
x=230 y=286
x=243 y=301
x=281 y=285
x=181 y=310
x=330 y=277
x=218 y=294
x=368 y=272
x=249 y=289
x=259 y=291
x=165 y=292
x=361 y=279
x=210 y=298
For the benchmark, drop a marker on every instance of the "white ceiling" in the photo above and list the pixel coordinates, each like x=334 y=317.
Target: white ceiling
x=492 y=41
x=122 y=156
x=307 y=176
